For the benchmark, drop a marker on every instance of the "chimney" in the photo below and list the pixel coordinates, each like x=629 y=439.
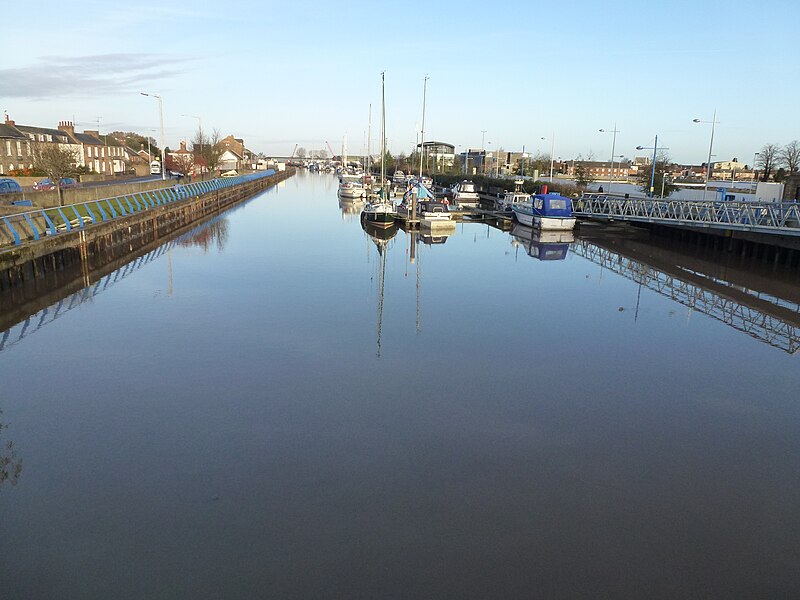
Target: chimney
x=67 y=127
x=92 y=132
x=183 y=147
x=9 y=121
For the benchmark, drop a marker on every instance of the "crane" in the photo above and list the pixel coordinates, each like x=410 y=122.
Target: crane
x=333 y=154
x=293 y=151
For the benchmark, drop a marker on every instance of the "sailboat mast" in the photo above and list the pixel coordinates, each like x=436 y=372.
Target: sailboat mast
x=383 y=136
x=369 y=141
x=422 y=141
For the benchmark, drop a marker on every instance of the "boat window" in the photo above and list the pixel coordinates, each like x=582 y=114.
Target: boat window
x=468 y=187
x=558 y=204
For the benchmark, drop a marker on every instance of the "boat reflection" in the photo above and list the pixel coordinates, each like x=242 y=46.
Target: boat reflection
x=542 y=244
x=350 y=207
x=381 y=236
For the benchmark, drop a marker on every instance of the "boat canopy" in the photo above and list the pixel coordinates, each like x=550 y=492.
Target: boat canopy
x=552 y=205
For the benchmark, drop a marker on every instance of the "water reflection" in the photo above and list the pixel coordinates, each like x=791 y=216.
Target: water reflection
x=213 y=233
x=25 y=312
x=766 y=308
x=542 y=245
x=10 y=463
x=351 y=208
x=381 y=236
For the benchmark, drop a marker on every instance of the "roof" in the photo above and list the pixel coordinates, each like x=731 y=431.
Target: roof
x=56 y=133
x=6 y=131
x=85 y=138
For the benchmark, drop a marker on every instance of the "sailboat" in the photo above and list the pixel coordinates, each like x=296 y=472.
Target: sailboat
x=380 y=211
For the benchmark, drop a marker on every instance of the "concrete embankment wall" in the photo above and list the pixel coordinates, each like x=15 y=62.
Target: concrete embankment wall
x=86 y=246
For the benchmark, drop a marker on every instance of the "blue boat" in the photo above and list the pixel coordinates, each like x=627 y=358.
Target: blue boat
x=546 y=211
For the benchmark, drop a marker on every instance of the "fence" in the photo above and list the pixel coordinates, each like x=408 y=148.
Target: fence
x=22 y=228
x=762 y=217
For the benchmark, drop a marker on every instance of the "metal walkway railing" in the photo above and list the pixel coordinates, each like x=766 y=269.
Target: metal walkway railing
x=34 y=225
x=756 y=323
x=762 y=217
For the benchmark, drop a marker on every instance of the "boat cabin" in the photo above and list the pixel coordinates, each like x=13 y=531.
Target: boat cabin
x=552 y=205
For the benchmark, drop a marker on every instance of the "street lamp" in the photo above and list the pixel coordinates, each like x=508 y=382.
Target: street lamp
x=755 y=173
x=653 y=172
x=613 y=149
x=552 y=152
x=713 y=122
x=199 y=122
x=161 y=122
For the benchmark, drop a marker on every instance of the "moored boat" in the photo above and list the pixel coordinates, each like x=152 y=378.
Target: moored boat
x=545 y=211
x=465 y=193
x=511 y=198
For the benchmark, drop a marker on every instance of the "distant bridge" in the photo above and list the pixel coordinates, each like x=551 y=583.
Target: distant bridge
x=762 y=217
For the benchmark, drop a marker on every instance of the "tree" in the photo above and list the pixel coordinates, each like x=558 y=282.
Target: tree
x=790 y=156
x=662 y=180
x=55 y=162
x=540 y=162
x=206 y=150
x=300 y=152
x=181 y=163
x=767 y=159
x=583 y=176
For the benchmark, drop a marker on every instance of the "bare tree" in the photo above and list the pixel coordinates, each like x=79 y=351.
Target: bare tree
x=767 y=159
x=55 y=162
x=206 y=150
x=790 y=156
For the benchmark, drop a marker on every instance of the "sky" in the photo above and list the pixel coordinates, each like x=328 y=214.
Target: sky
x=500 y=74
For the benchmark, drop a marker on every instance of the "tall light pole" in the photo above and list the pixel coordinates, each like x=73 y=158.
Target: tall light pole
x=613 y=149
x=199 y=121
x=552 y=152
x=713 y=122
x=161 y=123
x=483 y=152
x=653 y=172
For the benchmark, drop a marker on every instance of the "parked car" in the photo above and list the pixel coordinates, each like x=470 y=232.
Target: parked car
x=47 y=184
x=9 y=186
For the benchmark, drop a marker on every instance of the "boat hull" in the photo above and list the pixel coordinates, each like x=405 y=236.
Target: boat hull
x=531 y=219
x=352 y=193
x=378 y=218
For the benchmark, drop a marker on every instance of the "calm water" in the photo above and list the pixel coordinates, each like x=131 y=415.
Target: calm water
x=228 y=420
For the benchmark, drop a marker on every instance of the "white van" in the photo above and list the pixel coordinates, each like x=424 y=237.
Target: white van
x=155 y=168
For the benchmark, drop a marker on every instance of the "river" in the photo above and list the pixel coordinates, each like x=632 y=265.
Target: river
x=273 y=408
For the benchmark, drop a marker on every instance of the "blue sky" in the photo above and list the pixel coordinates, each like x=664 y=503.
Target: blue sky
x=280 y=73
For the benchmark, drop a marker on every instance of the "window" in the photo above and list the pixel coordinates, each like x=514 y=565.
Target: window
x=8 y=147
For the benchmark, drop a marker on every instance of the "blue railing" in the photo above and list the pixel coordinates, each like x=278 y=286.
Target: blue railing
x=30 y=226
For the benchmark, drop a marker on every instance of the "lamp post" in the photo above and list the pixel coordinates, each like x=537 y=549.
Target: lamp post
x=552 y=152
x=161 y=123
x=613 y=149
x=199 y=121
x=653 y=172
x=713 y=122
x=755 y=173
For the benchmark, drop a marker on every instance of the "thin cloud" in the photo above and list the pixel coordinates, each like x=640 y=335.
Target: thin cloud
x=60 y=76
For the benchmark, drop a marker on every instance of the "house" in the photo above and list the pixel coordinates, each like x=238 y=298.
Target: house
x=15 y=149
x=101 y=155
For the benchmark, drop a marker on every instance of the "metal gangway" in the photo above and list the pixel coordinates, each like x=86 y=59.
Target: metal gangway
x=759 y=324
x=781 y=218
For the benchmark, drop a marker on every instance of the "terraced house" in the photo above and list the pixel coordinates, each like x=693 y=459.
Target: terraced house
x=17 y=142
